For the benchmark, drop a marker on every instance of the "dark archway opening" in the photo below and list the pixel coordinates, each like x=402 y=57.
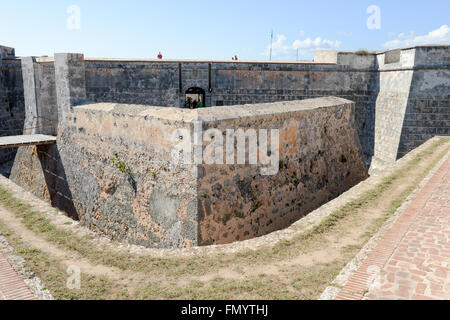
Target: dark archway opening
x=195 y=98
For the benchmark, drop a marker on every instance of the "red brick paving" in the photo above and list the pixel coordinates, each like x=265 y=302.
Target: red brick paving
x=12 y=286
x=412 y=260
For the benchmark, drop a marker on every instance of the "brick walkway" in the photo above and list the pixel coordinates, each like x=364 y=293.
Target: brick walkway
x=412 y=260
x=12 y=286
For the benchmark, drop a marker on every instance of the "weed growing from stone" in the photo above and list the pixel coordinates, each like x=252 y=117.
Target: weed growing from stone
x=121 y=165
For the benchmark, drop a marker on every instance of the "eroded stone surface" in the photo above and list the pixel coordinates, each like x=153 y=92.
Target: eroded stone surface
x=159 y=203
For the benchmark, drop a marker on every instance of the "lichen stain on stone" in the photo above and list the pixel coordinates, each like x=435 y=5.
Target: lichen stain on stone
x=289 y=138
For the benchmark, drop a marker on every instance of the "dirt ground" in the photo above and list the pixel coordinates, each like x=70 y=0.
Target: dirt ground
x=297 y=269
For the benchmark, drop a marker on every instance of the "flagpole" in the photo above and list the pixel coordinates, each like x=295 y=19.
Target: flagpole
x=271 y=44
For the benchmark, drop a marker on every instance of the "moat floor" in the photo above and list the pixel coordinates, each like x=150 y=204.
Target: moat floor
x=412 y=260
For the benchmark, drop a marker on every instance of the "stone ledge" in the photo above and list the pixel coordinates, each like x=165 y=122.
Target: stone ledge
x=213 y=113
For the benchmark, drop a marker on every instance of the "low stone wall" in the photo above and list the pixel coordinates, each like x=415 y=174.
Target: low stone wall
x=145 y=197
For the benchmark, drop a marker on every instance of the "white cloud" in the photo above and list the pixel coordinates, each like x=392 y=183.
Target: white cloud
x=438 y=36
x=279 y=47
x=345 y=34
x=283 y=50
x=315 y=44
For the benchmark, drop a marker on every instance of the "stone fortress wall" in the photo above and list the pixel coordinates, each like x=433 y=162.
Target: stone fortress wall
x=413 y=103
x=160 y=203
x=415 y=80
x=320 y=157
x=401 y=99
x=228 y=83
x=12 y=109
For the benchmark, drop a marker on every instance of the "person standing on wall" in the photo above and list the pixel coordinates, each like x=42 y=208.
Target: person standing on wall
x=160 y=56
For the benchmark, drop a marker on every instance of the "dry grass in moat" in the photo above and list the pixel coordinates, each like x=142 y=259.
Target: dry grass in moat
x=300 y=268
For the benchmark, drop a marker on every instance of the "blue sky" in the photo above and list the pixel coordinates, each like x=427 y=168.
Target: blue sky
x=218 y=29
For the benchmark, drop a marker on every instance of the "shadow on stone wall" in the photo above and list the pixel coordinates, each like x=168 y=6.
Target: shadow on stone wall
x=6 y=167
x=39 y=170
x=367 y=136
x=56 y=180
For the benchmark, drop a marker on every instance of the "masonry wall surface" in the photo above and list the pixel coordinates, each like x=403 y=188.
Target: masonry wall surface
x=320 y=158
x=40 y=96
x=385 y=87
x=165 y=83
x=381 y=84
x=151 y=206
x=132 y=82
x=394 y=87
x=7 y=52
x=160 y=203
x=413 y=104
x=428 y=110
x=12 y=109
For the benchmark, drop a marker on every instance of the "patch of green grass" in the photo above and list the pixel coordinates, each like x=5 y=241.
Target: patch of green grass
x=311 y=281
x=54 y=274
x=65 y=239
x=304 y=283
